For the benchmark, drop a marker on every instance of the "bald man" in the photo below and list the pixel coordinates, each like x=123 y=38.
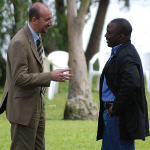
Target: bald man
x=22 y=97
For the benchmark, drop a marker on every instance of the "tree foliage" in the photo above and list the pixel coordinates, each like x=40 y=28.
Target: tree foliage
x=13 y=16
x=20 y=13
x=6 y=21
x=2 y=70
x=57 y=37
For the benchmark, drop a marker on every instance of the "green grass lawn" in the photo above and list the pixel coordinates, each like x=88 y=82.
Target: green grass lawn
x=65 y=134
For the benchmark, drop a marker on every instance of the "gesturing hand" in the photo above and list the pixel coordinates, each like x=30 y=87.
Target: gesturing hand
x=61 y=75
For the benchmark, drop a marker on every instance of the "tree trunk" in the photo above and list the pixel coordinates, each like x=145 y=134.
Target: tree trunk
x=80 y=104
x=95 y=38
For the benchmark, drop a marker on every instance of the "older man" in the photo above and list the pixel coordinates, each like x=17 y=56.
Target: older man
x=25 y=80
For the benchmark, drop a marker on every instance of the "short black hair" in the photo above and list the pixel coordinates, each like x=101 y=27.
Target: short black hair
x=34 y=12
x=123 y=25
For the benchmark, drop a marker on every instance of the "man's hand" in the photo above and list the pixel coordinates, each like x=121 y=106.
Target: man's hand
x=60 y=75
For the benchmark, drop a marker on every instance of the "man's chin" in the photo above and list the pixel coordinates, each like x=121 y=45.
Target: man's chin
x=44 y=31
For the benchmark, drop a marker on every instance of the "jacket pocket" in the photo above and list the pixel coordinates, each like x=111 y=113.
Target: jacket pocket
x=24 y=92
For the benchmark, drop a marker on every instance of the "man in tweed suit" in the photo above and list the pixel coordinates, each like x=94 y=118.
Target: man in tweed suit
x=22 y=97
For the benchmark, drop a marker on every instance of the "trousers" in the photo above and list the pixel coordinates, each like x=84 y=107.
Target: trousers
x=30 y=137
x=111 y=135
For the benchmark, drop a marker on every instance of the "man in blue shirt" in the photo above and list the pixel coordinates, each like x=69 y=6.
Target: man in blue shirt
x=123 y=113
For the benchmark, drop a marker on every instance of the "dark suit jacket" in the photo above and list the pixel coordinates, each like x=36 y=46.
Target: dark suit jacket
x=124 y=76
x=24 y=78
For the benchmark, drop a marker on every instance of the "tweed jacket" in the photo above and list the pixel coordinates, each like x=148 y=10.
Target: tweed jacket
x=124 y=76
x=24 y=78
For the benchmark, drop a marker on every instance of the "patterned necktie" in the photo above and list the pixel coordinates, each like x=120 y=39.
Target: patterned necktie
x=40 y=49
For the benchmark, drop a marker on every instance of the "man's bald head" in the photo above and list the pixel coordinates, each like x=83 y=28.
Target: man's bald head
x=35 y=10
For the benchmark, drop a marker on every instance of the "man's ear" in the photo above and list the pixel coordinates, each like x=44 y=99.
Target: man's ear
x=122 y=36
x=34 y=20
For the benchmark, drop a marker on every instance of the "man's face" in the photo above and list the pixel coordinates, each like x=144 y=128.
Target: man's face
x=45 y=21
x=112 y=35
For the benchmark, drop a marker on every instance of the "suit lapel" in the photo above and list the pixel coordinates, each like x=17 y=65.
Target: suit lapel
x=107 y=65
x=32 y=43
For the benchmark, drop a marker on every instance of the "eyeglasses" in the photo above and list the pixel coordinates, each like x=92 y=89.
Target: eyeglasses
x=47 y=20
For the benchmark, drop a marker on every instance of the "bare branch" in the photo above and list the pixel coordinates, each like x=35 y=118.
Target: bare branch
x=83 y=8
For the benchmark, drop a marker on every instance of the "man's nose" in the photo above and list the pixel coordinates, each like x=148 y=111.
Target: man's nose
x=50 y=23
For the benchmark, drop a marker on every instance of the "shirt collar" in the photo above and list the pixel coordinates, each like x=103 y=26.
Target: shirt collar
x=34 y=34
x=114 y=49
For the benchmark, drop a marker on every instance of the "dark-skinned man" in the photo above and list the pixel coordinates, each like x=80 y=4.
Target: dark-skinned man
x=123 y=115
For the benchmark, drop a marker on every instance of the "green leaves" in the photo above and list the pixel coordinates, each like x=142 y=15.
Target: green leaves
x=2 y=70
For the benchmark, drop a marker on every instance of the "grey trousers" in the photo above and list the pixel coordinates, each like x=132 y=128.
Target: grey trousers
x=30 y=137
